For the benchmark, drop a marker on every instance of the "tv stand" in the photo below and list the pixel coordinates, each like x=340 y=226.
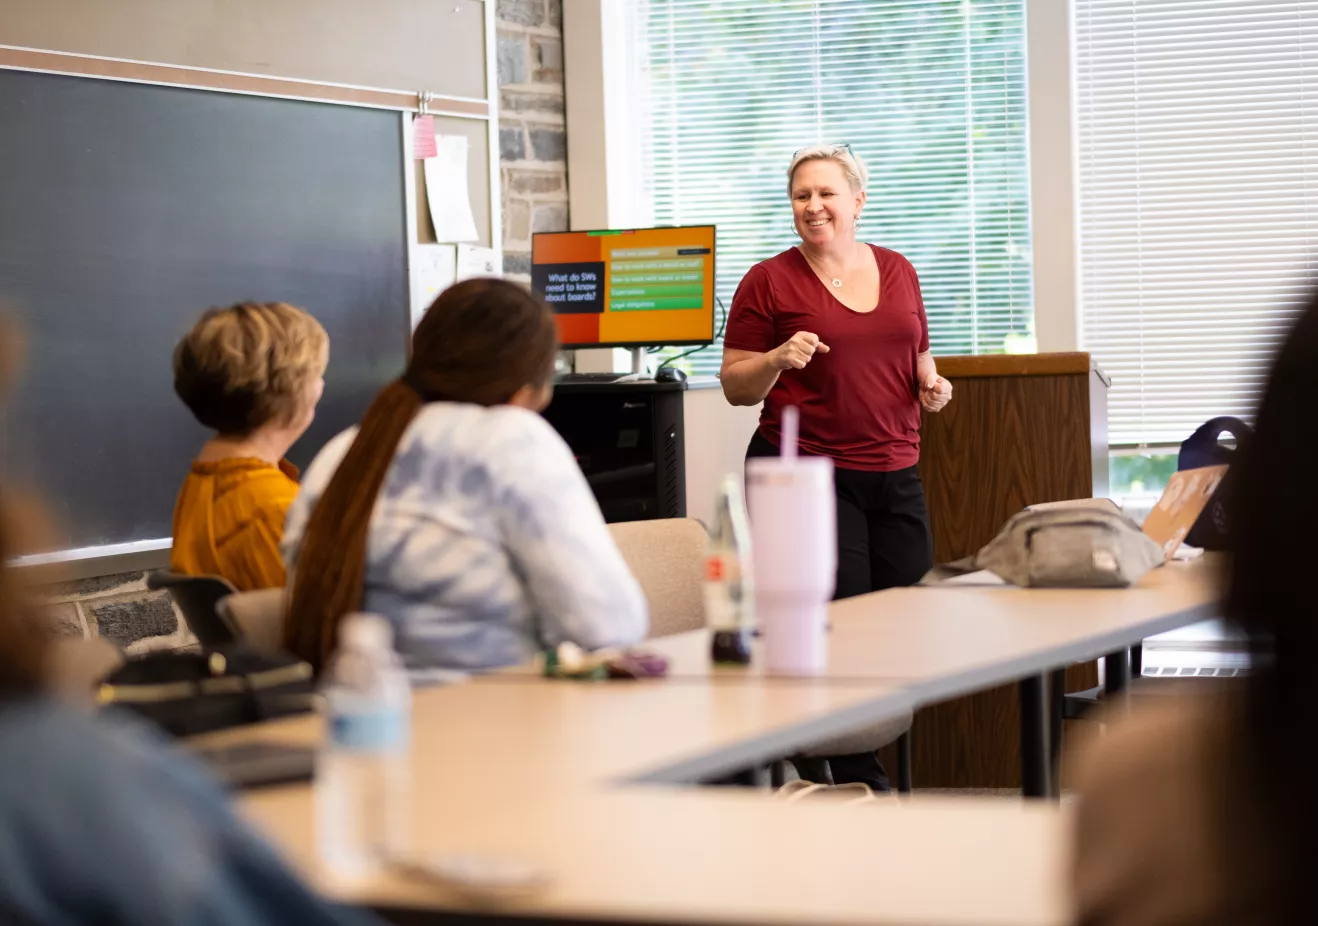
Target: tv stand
x=638 y=362
x=629 y=440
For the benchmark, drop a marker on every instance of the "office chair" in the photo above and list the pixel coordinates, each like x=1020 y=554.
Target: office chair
x=197 y=597
x=667 y=556
x=257 y=617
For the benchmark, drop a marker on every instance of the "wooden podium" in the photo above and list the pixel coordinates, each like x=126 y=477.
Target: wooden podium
x=1020 y=429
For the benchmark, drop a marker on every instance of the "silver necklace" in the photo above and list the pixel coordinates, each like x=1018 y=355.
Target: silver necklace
x=836 y=282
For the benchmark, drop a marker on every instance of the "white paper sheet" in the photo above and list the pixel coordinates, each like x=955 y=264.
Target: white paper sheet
x=434 y=270
x=982 y=577
x=446 y=190
x=476 y=261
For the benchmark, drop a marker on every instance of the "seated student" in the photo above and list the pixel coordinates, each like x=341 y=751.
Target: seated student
x=1206 y=811
x=102 y=821
x=455 y=510
x=253 y=373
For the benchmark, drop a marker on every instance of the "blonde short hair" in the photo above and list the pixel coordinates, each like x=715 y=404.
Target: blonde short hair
x=853 y=168
x=247 y=366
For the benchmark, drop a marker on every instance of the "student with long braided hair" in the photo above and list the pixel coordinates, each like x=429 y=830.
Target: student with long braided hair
x=455 y=510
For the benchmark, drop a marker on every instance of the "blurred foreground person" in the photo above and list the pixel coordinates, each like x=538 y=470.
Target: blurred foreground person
x=1204 y=811
x=101 y=821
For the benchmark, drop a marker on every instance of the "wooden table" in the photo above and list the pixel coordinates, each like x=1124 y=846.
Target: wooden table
x=548 y=773
x=714 y=855
x=578 y=777
x=948 y=640
x=942 y=642
x=556 y=733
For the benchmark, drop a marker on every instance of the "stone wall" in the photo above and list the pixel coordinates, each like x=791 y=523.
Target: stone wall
x=119 y=608
x=532 y=127
x=533 y=166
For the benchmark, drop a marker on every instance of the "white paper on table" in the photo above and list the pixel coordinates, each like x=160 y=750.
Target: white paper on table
x=433 y=271
x=446 y=190
x=476 y=261
x=981 y=577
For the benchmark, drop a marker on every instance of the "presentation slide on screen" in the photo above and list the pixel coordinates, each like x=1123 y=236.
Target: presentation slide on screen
x=649 y=286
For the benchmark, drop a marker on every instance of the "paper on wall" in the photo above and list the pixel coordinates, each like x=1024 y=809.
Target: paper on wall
x=423 y=137
x=476 y=261
x=434 y=270
x=446 y=190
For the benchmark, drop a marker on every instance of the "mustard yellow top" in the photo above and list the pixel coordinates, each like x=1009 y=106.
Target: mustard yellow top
x=229 y=519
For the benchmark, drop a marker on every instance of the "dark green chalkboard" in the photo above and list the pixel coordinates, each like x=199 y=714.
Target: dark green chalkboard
x=126 y=209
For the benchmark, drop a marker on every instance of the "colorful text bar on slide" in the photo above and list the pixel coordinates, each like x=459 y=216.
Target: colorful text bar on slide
x=649 y=286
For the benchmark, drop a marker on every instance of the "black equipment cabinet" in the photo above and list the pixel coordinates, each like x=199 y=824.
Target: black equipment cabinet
x=628 y=439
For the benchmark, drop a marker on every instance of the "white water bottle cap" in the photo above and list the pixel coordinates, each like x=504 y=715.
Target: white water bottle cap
x=370 y=632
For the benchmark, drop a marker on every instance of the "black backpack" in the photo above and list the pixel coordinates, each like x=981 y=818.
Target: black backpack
x=186 y=693
x=1202 y=448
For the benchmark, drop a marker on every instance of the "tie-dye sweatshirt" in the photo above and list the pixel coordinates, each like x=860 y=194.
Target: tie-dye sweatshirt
x=485 y=544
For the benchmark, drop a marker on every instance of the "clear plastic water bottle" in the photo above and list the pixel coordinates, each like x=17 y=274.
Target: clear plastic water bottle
x=363 y=774
x=729 y=590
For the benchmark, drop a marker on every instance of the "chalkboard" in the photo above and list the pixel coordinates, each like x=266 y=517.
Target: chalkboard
x=125 y=210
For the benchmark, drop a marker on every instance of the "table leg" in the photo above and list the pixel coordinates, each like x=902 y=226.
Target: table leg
x=1136 y=661
x=1056 y=710
x=1034 y=736
x=1116 y=671
x=904 y=763
x=1116 y=680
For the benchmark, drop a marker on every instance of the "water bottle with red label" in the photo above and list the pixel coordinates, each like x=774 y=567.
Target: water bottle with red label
x=729 y=592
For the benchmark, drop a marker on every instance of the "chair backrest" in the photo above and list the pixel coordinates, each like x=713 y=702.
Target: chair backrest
x=667 y=556
x=196 y=597
x=77 y=666
x=258 y=617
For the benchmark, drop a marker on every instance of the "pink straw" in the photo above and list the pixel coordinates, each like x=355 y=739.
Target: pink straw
x=791 y=419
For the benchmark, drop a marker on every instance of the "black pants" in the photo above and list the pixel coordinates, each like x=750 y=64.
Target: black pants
x=883 y=541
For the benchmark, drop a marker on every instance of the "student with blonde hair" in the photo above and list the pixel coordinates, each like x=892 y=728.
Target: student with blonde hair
x=253 y=374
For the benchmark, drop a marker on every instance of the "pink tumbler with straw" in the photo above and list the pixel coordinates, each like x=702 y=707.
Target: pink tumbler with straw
x=793 y=513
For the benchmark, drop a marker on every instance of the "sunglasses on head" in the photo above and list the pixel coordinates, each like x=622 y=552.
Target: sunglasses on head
x=839 y=146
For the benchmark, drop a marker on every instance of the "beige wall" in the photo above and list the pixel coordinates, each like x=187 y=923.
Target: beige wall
x=1053 y=175
x=409 y=45
x=716 y=438
x=390 y=44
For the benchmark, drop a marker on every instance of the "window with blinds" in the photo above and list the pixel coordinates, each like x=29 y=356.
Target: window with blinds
x=930 y=93
x=1198 y=165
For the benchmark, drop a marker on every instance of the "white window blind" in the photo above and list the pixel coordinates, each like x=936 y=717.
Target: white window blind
x=931 y=93
x=1198 y=164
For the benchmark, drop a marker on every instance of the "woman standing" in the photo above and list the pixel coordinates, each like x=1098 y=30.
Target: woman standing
x=837 y=328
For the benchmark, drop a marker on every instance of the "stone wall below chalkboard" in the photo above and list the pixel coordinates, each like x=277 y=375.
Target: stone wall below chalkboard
x=119 y=608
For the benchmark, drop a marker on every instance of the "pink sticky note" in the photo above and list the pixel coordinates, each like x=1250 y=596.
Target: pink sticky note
x=423 y=137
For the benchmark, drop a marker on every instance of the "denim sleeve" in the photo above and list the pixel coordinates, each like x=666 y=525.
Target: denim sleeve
x=103 y=821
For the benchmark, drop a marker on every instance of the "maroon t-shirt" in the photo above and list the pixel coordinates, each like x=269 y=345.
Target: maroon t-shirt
x=859 y=403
